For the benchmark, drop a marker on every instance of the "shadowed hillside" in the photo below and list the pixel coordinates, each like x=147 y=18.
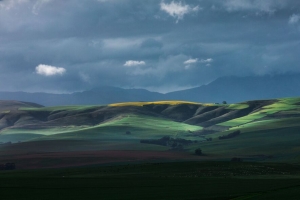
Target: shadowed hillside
x=18 y=115
x=253 y=130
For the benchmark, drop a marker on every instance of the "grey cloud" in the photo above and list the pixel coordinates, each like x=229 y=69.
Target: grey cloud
x=294 y=19
x=268 y=6
x=92 y=41
x=151 y=43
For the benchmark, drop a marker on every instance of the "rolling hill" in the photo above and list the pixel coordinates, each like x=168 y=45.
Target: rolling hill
x=252 y=130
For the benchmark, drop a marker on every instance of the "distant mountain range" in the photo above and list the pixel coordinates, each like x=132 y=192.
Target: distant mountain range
x=231 y=89
x=236 y=89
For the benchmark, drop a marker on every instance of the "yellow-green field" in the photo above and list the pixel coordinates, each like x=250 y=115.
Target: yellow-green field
x=156 y=103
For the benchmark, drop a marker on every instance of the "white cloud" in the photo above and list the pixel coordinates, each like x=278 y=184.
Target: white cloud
x=48 y=70
x=131 y=63
x=188 y=63
x=177 y=9
x=191 y=61
x=267 y=6
x=294 y=19
x=208 y=60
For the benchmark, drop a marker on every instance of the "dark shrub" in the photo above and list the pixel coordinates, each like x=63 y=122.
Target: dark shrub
x=174 y=145
x=128 y=132
x=165 y=138
x=198 y=152
x=10 y=166
x=235 y=159
x=179 y=147
x=168 y=141
x=230 y=135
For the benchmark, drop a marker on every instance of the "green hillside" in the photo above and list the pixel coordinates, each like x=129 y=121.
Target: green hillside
x=254 y=130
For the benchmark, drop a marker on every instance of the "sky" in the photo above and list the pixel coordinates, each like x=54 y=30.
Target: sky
x=160 y=45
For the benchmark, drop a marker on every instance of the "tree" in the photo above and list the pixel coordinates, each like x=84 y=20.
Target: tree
x=198 y=152
x=224 y=102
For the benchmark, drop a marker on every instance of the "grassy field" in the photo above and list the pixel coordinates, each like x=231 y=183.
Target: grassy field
x=179 y=180
x=287 y=105
x=272 y=145
x=140 y=127
x=81 y=152
x=61 y=108
x=156 y=103
x=268 y=129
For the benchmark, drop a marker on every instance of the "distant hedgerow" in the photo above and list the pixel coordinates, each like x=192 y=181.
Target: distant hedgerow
x=230 y=135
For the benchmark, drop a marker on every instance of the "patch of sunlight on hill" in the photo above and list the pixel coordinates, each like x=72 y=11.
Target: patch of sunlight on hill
x=150 y=122
x=153 y=124
x=286 y=104
x=62 y=108
x=157 y=103
x=268 y=124
x=237 y=106
x=43 y=130
x=140 y=126
x=5 y=111
x=243 y=120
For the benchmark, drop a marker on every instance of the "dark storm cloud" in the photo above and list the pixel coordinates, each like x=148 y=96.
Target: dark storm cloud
x=92 y=40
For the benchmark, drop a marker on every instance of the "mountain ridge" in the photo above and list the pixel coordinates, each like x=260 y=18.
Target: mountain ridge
x=231 y=89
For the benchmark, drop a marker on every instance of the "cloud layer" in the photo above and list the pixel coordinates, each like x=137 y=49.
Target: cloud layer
x=267 y=6
x=134 y=43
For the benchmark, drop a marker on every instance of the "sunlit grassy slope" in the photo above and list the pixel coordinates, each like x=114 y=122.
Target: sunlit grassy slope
x=268 y=128
x=156 y=103
x=61 y=108
x=284 y=106
x=139 y=126
x=143 y=125
x=271 y=133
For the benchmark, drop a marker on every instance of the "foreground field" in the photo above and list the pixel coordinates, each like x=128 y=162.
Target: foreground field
x=147 y=150
x=179 y=180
